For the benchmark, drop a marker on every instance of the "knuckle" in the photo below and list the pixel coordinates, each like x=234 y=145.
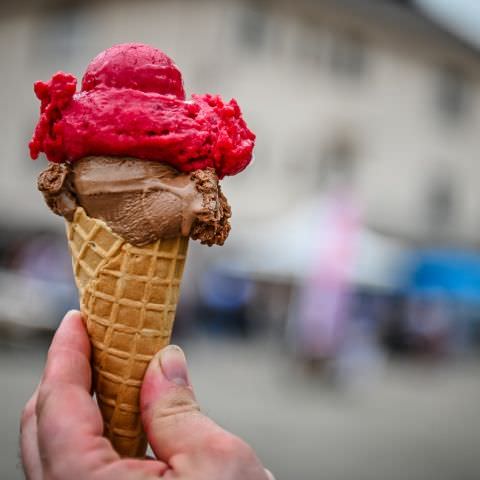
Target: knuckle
x=225 y=445
x=171 y=418
x=44 y=393
x=58 y=470
x=28 y=413
x=175 y=407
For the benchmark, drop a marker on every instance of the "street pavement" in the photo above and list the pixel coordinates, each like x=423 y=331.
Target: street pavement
x=407 y=421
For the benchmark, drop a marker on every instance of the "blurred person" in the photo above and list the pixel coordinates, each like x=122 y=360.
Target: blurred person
x=393 y=331
x=429 y=323
x=224 y=302
x=318 y=319
x=44 y=269
x=360 y=357
x=45 y=257
x=61 y=426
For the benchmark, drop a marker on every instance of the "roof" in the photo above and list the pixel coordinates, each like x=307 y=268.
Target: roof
x=403 y=19
x=401 y=16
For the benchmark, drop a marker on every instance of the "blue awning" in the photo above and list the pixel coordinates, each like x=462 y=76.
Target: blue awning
x=453 y=273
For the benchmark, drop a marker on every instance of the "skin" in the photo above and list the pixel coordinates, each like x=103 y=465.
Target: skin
x=61 y=426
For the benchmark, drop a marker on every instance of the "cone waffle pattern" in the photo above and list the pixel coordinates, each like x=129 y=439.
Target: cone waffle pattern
x=128 y=297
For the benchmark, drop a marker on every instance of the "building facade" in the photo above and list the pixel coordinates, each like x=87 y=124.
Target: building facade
x=371 y=95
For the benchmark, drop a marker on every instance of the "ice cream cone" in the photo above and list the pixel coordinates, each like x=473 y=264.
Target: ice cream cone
x=128 y=297
x=144 y=162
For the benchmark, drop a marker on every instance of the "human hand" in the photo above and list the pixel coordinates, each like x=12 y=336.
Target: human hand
x=61 y=426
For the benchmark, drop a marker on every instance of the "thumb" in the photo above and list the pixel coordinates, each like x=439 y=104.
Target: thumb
x=171 y=416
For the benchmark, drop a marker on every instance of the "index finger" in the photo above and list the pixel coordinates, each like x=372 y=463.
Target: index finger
x=68 y=359
x=69 y=423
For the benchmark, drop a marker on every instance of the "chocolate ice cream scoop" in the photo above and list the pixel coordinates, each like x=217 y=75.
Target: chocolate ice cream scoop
x=140 y=201
x=55 y=184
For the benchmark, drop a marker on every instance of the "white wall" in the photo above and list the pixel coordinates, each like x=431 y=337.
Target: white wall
x=290 y=97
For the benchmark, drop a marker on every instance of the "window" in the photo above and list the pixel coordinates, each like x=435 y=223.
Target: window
x=252 y=26
x=337 y=166
x=309 y=45
x=451 y=93
x=55 y=32
x=441 y=202
x=348 y=55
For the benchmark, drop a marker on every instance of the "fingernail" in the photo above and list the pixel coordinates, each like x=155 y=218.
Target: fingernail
x=70 y=314
x=269 y=474
x=174 y=365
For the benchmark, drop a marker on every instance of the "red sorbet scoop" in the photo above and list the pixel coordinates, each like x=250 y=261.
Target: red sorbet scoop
x=135 y=66
x=132 y=103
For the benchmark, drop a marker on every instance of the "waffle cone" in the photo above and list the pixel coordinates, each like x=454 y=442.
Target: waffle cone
x=128 y=298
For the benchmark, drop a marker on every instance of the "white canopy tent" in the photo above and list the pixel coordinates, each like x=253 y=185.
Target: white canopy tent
x=285 y=247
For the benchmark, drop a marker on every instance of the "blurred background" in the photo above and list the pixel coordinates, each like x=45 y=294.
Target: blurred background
x=338 y=330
